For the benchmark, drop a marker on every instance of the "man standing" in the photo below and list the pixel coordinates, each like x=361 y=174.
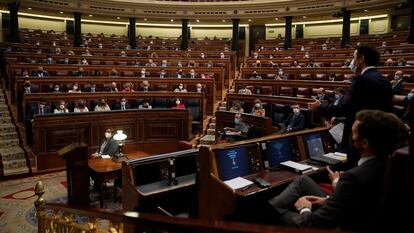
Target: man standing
x=369 y=90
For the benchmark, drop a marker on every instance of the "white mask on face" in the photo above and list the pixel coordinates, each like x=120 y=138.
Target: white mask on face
x=257 y=105
x=296 y=110
x=75 y=88
x=108 y=135
x=198 y=89
x=61 y=106
x=180 y=87
x=56 y=89
x=177 y=102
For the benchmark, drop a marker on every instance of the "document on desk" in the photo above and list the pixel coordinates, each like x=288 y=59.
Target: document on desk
x=105 y=156
x=238 y=182
x=297 y=167
x=337 y=155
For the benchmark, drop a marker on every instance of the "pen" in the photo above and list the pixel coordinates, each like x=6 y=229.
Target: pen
x=246 y=187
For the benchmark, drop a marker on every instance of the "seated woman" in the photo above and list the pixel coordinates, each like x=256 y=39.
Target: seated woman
x=81 y=106
x=102 y=106
x=236 y=107
x=61 y=108
x=178 y=104
x=258 y=109
x=108 y=146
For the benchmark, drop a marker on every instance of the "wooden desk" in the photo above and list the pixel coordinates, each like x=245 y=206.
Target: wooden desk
x=103 y=170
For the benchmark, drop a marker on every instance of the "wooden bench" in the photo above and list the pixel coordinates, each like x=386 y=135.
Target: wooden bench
x=43 y=85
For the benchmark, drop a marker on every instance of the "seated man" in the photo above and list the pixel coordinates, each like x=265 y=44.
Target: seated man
x=108 y=146
x=397 y=83
x=40 y=72
x=357 y=192
x=239 y=131
x=294 y=122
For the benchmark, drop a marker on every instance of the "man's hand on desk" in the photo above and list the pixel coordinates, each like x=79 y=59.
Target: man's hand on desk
x=95 y=155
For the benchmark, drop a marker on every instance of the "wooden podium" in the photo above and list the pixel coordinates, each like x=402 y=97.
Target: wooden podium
x=76 y=157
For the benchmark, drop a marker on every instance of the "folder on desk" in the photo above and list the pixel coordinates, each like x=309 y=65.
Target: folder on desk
x=297 y=167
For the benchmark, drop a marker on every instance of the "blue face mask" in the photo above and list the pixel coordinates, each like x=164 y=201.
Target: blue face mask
x=236 y=121
x=410 y=96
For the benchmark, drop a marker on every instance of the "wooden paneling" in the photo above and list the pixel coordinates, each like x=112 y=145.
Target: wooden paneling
x=144 y=128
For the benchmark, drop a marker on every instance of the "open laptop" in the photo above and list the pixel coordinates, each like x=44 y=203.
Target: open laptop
x=316 y=151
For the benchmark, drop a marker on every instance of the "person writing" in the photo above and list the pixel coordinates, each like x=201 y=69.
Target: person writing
x=357 y=192
x=239 y=131
x=109 y=146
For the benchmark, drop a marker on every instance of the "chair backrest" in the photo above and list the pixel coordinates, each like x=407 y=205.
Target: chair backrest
x=159 y=103
x=286 y=91
x=307 y=113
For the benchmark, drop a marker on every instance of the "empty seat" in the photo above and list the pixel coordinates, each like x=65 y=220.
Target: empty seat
x=349 y=77
x=267 y=90
x=62 y=73
x=161 y=87
x=286 y=91
x=128 y=73
x=303 y=92
x=305 y=76
x=193 y=105
x=280 y=113
x=122 y=63
x=95 y=62
x=108 y=62
x=320 y=77
x=159 y=103
x=336 y=64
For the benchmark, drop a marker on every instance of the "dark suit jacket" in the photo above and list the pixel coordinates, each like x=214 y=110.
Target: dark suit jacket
x=295 y=123
x=398 y=87
x=368 y=91
x=36 y=74
x=332 y=107
x=111 y=147
x=353 y=204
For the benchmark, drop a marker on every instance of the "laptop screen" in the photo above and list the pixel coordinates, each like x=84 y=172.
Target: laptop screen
x=314 y=145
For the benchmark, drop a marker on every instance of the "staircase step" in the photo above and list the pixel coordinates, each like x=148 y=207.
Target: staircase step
x=8 y=127
x=9 y=143
x=8 y=135
x=16 y=171
x=211 y=132
x=208 y=140
x=5 y=119
x=11 y=153
x=213 y=120
x=222 y=108
x=212 y=126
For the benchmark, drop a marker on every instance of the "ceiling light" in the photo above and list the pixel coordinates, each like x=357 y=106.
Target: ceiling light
x=366 y=10
x=250 y=20
x=198 y=20
x=224 y=20
x=29 y=8
x=304 y=16
x=276 y=18
x=118 y=17
x=90 y=15
x=61 y=12
x=172 y=20
x=145 y=19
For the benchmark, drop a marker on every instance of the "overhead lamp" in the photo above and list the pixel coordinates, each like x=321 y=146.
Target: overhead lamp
x=61 y=12
x=172 y=20
x=145 y=19
x=250 y=20
x=29 y=8
x=223 y=20
x=197 y=20
x=90 y=15
x=118 y=17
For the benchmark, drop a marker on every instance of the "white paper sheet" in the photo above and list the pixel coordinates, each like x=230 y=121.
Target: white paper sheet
x=337 y=131
x=238 y=182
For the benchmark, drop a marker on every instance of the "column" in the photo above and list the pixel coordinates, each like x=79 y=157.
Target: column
x=78 y=33
x=288 y=32
x=411 y=32
x=184 y=34
x=14 y=22
x=235 y=38
x=346 y=28
x=132 y=34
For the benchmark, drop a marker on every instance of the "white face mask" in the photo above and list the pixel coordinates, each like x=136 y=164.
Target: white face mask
x=198 y=89
x=61 y=106
x=108 y=135
x=177 y=102
x=75 y=88
x=180 y=87
x=56 y=88
x=123 y=102
x=257 y=105
x=296 y=110
x=142 y=72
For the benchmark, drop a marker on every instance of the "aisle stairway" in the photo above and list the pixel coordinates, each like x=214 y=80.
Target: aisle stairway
x=210 y=137
x=12 y=156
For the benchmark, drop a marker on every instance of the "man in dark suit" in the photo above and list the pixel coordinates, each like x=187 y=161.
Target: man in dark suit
x=368 y=90
x=40 y=72
x=109 y=146
x=122 y=105
x=397 y=83
x=357 y=192
x=295 y=121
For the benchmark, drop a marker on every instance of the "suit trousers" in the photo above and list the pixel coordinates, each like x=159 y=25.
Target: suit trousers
x=285 y=201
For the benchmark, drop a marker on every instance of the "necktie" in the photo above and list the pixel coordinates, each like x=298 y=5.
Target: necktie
x=41 y=111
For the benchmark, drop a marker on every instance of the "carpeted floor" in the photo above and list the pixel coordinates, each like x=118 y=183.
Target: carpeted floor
x=17 y=200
